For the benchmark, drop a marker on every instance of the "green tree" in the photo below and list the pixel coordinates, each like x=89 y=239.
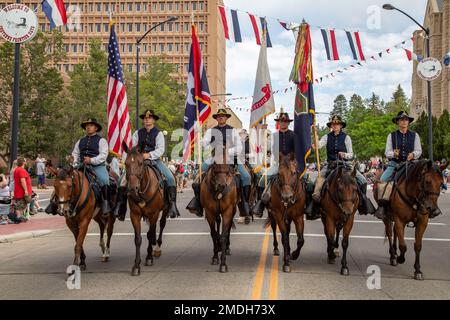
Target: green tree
x=441 y=149
x=357 y=109
x=374 y=105
x=399 y=102
x=340 y=106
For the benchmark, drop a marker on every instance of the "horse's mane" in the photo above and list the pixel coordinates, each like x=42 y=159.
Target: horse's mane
x=415 y=169
x=134 y=151
x=345 y=178
x=63 y=173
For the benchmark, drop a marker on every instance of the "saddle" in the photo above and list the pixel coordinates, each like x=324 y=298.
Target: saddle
x=385 y=192
x=161 y=178
x=92 y=178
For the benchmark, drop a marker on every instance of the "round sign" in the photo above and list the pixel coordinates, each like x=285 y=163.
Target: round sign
x=429 y=69
x=18 y=23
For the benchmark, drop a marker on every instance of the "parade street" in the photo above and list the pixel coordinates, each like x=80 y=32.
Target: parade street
x=35 y=268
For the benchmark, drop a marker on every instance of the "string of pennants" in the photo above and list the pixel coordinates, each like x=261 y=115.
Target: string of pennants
x=319 y=80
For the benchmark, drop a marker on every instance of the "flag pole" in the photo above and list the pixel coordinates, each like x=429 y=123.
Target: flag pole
x=265 y=151
x=316 y=142
x=199 y=133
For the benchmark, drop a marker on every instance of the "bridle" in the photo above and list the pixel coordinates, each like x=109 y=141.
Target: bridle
x=219 y=195
x=341 y=201
x=74 y=207
x=279 y=184
x=139 y=176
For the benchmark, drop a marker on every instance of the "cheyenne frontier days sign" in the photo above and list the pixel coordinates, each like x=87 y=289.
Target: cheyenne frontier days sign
x=18 y=23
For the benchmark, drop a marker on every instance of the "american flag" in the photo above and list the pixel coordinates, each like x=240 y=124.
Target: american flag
x=119 y=129
x=197 y=96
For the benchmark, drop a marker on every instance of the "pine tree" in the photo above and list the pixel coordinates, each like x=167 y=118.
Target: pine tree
x=340 y=107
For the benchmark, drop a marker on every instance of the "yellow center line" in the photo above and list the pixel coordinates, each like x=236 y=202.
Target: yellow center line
x=273 y=285
x=259 y=277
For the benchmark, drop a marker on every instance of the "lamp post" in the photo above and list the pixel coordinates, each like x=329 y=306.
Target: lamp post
x=430 y=115
x=138 y=47
x=165 y=133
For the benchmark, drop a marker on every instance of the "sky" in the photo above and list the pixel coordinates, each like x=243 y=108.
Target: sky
x=379 y=30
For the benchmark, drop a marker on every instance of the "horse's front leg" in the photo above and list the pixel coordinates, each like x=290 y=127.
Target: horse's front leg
x=299 y=228
x=400 y=231
x=420 y=230
x=214 y=236
x=273 y=224
x=136 y=221
x=284 y=240
x=224 y=237
x=346 y=234
x=109 y=232
x=336 y=241
x=79 y=252
x=329 y=232
x=151 y=237
x=162 y=225
x=392 y=249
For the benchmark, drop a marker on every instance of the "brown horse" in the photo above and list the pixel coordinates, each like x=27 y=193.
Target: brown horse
x=338 y=204
x=287 y=204
x=73 y=194
x=146 y=200
x=414 y=200
x=219 y=197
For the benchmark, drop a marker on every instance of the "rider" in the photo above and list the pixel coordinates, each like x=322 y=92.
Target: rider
x=339 y=146
x=282 y=142
x=401 y=146
x=152 y=144
x=232 y=143
x=93 y=150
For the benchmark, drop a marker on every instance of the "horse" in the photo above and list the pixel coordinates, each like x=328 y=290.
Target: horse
x=73 y=194
x=146 y=200
x=414 y=200
x=287 y=204
x=338 y=205
x=219 y=197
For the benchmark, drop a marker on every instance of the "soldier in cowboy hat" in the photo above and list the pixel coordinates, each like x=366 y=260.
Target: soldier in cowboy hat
x=222 y=136
x=282 y=143
x=401 y=146
x=339 y=147
x=152 y=144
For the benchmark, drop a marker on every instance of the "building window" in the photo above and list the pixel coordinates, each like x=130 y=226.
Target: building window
x=145 y=27
x=122 y=27
x=106 y=27
x=130 y=48
x=162 y=6
x=91 y=27
x=161 y=48
x=130 y=68
x=162 y=28
x=154 y=47
x=170 y=7
x=138 y=27
x=66 y=47
x=177 y=47
x=177 y=27
x=194 y=6
x=81 y=48
x=43 y=27
x=66 y=68
x=176 y=67
x=130 y=27
x=99 y=7
x=170 y=47
x=202 y=7
x=74 y=48
x=98 y=27
x=91 y=7
x=170 y=26
x=138 y=7
x=186 y=27
x=122 y=7
x=177 y=6
x=145 y=47
x=130 y=7
x=186 y=7
x=107 y=7
x=145 y=7
x=186 y=68
x=145 y=67
x=154 y=7
x=201 y=26
x=123 y=47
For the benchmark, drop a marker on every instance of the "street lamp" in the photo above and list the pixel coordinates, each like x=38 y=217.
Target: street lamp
x=138 y=45
x=430 y=115
x=165 y=133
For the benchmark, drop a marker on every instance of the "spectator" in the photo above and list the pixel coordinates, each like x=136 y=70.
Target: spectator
x=172 y=168
x=22 y=189
x=113 y=163
x=5 y=200
x=11 y=177
x=40 y=172
x=445 y=174
x=180 y=177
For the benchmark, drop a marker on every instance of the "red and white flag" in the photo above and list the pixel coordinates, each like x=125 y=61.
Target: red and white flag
x=329 y=38
x=355 y=45
x=119 y=129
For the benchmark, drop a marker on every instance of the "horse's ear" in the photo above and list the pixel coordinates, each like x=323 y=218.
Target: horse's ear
x=292 y=157
x=125 y=147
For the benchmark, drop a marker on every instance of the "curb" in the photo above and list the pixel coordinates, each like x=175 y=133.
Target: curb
x=23 y=235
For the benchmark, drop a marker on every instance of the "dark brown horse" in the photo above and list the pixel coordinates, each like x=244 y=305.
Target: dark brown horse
x=288 y=197
x=76 y=201
x=146 y=200
x=338 y=204
x=219 y=197
x=414 y=200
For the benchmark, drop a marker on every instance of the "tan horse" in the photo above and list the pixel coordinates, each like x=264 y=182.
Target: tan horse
x=219 y=197
x=338 y=204
x=74 y=193
x=414 y=200
x=287 y=204
x=146 y=200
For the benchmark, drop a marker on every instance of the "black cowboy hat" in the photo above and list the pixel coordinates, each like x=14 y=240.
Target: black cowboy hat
x=336 y=120
x=283 y=116
x=91 y=121
x=149 y=114
x=402 y=115
x=221 y=112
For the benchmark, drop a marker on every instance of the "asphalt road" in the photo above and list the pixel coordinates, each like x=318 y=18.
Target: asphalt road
x=36 y=268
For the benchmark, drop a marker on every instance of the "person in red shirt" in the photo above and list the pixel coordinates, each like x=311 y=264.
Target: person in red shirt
x=22 y=187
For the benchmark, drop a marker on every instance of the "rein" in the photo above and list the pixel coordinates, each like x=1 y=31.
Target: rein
x=337 y=201
x=74 y=207
x=141 y=193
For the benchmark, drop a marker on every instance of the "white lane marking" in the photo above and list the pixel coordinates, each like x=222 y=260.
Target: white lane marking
x=312 y=235
x=357 y=221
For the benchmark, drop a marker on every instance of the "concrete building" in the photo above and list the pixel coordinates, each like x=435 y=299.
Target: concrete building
x=437 y=18
x=89 y=19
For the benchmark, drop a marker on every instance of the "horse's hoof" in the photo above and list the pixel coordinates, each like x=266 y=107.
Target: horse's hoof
x=401 y=260
x=215 y=261
x=394 y=262
x=105 y=259
x=276 y=252
x=331 y=260
x=337 y=253
x=418 y=276
x=287 y=269
x=136 y=271
x=228 y=252
x=82 y=267
x=156 y=254
x=223 y=268
x=247 y=220
x=345 y=272
x=295 y=255
x=149 y=262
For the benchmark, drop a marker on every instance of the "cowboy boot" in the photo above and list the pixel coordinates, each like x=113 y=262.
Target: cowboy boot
x=263 y=202
x=195 y=205
x=318 y=188
x=312 y=211
x=52 y=207
x=120 y=210
x=172 y=197
x=106 y=209
x=380 y=213
x=258 y=208
x=365 y=207
x=246 y=197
